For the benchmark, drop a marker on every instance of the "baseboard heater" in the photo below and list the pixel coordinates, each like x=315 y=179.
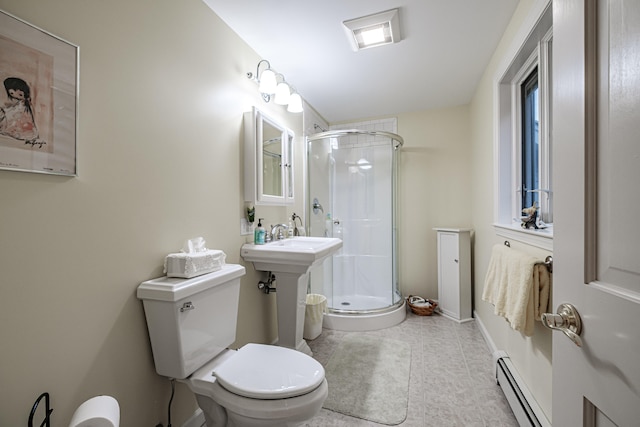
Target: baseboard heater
x=523 y=405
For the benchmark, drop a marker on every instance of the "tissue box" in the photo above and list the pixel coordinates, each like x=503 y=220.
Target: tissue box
x=188 y=265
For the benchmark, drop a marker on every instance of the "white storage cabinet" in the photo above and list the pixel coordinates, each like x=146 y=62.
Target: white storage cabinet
x=454 y=273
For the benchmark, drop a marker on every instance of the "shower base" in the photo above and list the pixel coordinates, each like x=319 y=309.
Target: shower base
x=361 y=315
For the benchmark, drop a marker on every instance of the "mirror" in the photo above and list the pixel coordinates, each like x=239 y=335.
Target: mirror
x=271 y=159
x=268 y=160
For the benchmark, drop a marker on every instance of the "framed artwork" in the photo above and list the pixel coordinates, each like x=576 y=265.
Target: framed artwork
x=38 y=99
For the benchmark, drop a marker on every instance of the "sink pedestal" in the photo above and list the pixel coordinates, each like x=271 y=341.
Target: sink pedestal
x=290 y=261
x=291 y=298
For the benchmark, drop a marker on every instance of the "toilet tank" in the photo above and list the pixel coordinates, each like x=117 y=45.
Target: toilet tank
x=191 y=321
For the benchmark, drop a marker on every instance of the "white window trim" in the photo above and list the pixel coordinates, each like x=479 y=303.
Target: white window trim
x=545 y=117
x=538 y=58
x=516 y=125
x=535 y=28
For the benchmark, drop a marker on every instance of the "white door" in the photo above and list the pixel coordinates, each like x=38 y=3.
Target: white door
x=596 y=138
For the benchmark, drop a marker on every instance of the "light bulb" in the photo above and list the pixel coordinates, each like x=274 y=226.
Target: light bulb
x=295 y=103
x=267 y=82
x=282 y=94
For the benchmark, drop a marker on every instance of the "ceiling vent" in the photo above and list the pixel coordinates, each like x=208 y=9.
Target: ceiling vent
x=373 y=30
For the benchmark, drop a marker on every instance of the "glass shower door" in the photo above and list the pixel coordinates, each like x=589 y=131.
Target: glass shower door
x=352 y=196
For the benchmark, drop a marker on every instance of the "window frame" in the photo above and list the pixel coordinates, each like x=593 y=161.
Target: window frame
x=530 y=49
x=540 y=58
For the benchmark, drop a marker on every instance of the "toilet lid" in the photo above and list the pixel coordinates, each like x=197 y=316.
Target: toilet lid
x=269 y=372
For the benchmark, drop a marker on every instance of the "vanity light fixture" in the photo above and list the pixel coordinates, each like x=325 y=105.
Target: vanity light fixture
x=269 y=88
x=266 y=80
x=373 y=30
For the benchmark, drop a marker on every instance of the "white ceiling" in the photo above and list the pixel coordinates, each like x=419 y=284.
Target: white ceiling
x=445 y=47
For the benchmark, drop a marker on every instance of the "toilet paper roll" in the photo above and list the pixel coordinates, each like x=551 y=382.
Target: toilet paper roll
x=100 y=411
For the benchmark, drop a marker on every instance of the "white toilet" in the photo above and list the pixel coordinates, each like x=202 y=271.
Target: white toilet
x=192 y=321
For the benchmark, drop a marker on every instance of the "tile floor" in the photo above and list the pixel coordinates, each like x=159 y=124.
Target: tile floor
x=452 y=376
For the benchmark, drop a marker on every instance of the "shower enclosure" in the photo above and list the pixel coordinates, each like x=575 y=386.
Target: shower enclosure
x=352 y=195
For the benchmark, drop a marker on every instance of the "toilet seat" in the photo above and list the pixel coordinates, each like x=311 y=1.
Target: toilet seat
x=203 y=383
x=269 y=372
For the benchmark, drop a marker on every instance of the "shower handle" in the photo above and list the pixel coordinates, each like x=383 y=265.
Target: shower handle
x=317 y=206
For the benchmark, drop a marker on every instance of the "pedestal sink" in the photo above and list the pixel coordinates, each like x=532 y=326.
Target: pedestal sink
x=290 y=260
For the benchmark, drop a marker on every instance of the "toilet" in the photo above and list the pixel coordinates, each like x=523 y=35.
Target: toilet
x=191 y=323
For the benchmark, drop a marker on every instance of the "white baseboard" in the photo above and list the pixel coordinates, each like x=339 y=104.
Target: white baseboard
x=196 y=420
x=485 y=334
x=526 y=399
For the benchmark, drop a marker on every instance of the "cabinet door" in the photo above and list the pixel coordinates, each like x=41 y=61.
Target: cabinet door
x=449 y=283
x=268 y=151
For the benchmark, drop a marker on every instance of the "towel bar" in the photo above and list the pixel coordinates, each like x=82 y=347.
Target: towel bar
x=548 y=261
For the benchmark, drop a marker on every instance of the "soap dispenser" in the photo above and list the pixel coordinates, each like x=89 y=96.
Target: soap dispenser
x=260 y=233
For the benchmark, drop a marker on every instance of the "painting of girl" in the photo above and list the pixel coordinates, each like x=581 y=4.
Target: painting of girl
x=16 y=115
x=38 y=99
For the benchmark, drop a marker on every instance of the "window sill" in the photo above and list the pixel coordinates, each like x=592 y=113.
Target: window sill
x=540 y=238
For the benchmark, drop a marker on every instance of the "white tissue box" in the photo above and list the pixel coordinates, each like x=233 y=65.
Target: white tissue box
x=188 y=265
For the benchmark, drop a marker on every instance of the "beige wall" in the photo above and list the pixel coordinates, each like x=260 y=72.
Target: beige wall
x=434 y=172
x=531 y=356
x=162 y=92
x=433 y=191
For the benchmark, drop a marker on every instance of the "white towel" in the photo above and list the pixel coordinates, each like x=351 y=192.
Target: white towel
x=518 y=286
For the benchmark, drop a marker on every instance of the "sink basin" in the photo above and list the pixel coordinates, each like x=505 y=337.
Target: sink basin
x=294 y=254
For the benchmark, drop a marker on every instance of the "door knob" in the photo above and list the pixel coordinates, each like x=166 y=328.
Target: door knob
x=566 y=320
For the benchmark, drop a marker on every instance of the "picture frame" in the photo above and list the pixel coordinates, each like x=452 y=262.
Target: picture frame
x=39 y=79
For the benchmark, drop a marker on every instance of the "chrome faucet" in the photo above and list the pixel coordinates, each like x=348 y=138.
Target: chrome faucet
x=277 y=227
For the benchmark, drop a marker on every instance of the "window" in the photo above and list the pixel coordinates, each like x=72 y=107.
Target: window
x=529 y=141
x=523 y=138
x=531 y=120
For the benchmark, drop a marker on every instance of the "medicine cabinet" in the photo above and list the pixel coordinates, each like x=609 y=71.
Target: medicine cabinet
x=268 y=160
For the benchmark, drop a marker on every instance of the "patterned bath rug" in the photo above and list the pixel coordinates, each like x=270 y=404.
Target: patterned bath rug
x=369 y=379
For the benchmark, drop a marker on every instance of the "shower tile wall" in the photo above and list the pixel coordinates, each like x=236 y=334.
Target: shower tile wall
x=386 y=125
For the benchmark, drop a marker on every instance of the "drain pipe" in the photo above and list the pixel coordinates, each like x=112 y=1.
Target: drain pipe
x=267 y=287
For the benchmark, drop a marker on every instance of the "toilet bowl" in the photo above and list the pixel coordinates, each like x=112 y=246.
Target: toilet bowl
x=191 y=323
x=259 y=385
